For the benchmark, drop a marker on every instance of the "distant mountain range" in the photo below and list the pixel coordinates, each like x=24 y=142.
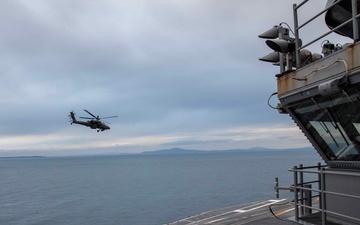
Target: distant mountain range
x=174 y=151
x=171 y=151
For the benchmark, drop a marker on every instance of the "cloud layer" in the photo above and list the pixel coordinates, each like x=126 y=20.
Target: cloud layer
x=177 y=73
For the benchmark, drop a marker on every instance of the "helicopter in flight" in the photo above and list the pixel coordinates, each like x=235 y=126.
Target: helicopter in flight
x=94 y=122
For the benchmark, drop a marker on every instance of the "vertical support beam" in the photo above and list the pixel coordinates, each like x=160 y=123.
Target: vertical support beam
x=322 y=193
x=281 y=56
x=296 y=194
x=301 y=178
x=276 y=187
x=354 y=4
x=319 y=185
x=297 y=44
x=308 y=199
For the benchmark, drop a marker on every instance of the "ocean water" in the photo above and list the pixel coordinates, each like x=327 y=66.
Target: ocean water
x=138 y=189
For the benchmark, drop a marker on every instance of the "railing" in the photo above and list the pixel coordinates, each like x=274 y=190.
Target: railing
x=303 y=192
x=297 y=27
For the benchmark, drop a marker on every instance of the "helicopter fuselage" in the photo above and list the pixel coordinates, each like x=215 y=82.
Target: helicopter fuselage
x=93 y=124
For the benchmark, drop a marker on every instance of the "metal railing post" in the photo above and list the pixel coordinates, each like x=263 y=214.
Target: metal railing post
x=322 y=194
x=296 y=195
x=354 y=4
x=308 y=199
x=297 y=44
x=319 y=185
x=301 y=182
x=276 y=187
x=281 y=56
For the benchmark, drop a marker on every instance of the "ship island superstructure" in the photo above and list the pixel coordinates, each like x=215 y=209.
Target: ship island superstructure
x=321 y=93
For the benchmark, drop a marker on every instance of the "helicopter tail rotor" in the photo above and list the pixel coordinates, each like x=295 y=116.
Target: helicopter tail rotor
x=72 y=117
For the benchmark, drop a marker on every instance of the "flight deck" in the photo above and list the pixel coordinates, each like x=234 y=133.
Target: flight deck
x=268 y=212
x=252 y=213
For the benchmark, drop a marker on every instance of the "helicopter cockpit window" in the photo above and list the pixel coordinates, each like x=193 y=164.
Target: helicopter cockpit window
x=334 y=123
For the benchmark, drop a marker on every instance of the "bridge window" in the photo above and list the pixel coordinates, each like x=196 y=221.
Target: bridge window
x=333 y=123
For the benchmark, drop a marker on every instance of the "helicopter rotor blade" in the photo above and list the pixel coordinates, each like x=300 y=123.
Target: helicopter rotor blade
x=106 y=122
x=89 y=118
x=108 y=117
x=91 y=114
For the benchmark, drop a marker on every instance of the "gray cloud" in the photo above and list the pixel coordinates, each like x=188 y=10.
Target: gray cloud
x=166 y=68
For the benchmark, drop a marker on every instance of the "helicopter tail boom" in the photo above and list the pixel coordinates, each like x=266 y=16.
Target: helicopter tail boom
x=72 y=115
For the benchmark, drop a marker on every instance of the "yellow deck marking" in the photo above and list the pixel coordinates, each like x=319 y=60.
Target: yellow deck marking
x=283 y=212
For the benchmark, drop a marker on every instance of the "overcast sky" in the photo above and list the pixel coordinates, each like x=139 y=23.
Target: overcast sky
x=178 y=73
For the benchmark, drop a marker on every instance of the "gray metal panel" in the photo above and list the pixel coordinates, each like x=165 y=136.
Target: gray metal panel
x=343 y=183
x=303 y=83
x=310 y=92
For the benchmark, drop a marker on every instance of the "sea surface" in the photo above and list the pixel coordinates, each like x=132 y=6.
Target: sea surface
x=139 y=189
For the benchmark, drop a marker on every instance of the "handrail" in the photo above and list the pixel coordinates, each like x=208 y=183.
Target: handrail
x=329 y=32
x=317 y=15
x=331 y=212
x=301 y=169
x=302 y=186
x=355 y=22
x=354 y=18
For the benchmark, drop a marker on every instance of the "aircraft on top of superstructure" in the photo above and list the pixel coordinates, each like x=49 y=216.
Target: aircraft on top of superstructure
x=94 y=122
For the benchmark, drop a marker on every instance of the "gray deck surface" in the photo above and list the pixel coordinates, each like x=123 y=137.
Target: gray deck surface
x=255 y=213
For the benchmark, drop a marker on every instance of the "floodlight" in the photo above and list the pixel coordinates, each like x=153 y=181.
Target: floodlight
x=272 y=57
x=273 y=32
x=280 y=34
x=281 y=45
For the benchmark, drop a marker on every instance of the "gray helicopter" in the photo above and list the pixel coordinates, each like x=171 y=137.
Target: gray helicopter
x=94 y=122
